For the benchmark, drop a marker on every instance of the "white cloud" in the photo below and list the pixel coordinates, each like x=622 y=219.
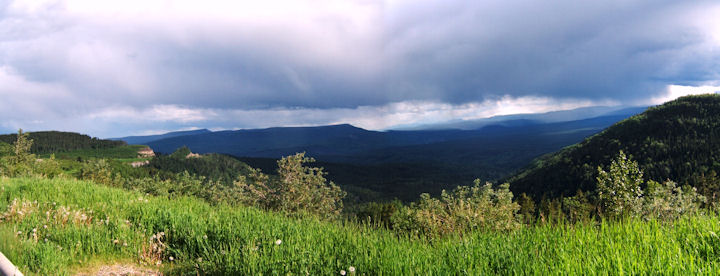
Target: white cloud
x=676 y=91
x=387 y=116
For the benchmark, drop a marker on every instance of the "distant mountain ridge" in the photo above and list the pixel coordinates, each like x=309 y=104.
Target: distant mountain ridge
x=139 y=140
x=547 y=117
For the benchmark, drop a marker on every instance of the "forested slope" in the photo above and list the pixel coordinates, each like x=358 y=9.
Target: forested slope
x=679 y=140
x=57 y=141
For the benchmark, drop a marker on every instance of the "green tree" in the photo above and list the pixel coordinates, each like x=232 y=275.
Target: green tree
x=20 y=161
x=527 y=208
x=708 y=185
x=619 y=189
x=578 y=207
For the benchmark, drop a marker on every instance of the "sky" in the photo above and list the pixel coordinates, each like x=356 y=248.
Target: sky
x=135 y=67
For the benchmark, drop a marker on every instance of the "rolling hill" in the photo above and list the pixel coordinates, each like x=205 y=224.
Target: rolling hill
x=679 y=140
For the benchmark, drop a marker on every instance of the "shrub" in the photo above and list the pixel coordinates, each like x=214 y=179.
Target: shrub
x=49 y=168
x=667 y=201
x=378 y=213
x=295 y=189
x=479 y=207
x=98 y=171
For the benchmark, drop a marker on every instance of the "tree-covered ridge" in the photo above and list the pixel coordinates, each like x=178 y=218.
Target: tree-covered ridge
x=679 y=140
x=56 y=141
x=215 y=167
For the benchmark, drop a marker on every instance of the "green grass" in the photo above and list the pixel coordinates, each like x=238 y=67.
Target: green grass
x=241 y=241
x=126 y=153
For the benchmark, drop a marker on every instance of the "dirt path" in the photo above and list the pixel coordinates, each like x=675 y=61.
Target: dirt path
x=120 y=270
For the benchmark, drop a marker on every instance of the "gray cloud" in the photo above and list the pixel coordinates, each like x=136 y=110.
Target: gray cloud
x=65 y=58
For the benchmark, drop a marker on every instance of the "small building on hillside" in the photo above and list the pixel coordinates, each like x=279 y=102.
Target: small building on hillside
x=139 y=163
x=146 y=152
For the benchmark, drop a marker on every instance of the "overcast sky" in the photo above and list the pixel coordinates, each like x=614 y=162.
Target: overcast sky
x=116 y=68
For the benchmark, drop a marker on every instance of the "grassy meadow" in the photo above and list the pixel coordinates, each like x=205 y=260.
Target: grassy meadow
x=63 y=226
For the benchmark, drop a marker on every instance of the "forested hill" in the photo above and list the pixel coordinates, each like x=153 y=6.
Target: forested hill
x=679 y=140
x=57 y=141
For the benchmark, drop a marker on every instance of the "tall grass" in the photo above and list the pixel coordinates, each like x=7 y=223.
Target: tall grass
x=119 y=226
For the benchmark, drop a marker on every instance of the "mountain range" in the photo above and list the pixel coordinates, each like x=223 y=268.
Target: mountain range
x=402 y=163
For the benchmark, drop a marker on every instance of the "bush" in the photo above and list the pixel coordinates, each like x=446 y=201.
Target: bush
x=296 y=189
x=99 y=171
x=620 y=194
x=465 y=209
x=378 y=213
x=667 y=201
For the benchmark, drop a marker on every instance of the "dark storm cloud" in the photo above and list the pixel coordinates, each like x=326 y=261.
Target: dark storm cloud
x=582 y=49
x=65 y=58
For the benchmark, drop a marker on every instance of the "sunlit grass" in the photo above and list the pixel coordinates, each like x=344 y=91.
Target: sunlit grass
x=119 y=226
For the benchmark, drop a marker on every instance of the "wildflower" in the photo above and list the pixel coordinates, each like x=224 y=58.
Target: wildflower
x=278 y=242
x=342 y=272
x=45 y=226
x=205 y=237
x=34 y=230
x=115 y=241
x=351 y=269
x=125 y=244
x=171 y=258
x=45 y=239
x=19 y=233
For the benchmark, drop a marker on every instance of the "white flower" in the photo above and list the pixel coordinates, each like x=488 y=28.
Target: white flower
x=278 y=242
x=342 y=272
x=351 y=269
x=171 y=258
